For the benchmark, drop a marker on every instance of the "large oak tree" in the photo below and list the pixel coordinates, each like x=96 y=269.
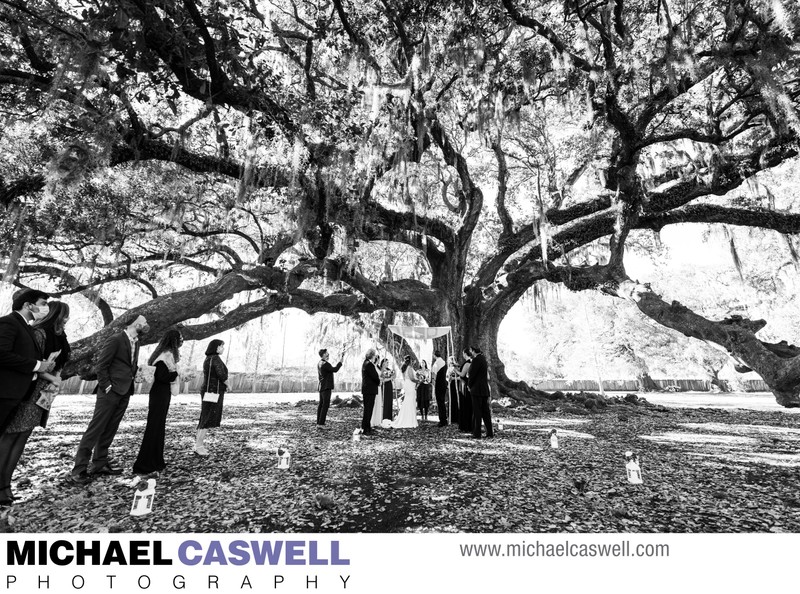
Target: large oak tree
x=272 y=149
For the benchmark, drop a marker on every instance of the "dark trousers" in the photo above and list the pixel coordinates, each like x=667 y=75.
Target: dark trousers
x=323 y=406
x=369 y=404
x=11 y=447
x=441 y=404
x=481 y=412
x=108 y=412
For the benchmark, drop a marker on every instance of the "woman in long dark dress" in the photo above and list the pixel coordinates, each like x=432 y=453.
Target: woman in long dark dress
x=452 y=382
x=465 y=399
x=31 y=413
x=165 y=359
x=387 y=375
x=215 y=373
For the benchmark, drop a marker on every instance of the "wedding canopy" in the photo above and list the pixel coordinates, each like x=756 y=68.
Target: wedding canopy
x=420 y=332
x=427 y=333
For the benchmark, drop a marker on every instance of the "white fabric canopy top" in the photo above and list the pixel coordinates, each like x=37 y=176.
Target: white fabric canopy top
x=420 y=332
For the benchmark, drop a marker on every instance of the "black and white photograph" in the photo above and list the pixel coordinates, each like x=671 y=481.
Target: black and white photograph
x=500 y=276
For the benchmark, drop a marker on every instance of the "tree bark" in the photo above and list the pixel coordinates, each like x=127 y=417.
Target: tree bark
x=736 y=335
x=176 y=308
x=646 y=383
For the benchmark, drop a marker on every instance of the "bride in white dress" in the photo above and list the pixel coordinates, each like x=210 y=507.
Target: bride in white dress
x=377 y=411
x=407 y=417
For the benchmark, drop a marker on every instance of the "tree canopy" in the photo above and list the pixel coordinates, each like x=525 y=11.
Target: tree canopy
x=439 y=158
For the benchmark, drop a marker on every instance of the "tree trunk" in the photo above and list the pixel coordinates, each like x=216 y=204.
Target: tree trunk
x=646 y=383
x=480 y=328
x=720 y=384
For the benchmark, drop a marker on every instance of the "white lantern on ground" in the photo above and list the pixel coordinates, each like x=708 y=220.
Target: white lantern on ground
x=499 y=424
x=357 y=434
x=143 y=497
x=632 y=468
x=553 y=439
x=284 y=458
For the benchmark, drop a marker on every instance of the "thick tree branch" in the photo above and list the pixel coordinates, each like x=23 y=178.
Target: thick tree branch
x=547 y=33
x=502 y=189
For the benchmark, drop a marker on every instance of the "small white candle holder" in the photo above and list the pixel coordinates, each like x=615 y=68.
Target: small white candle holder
x=632 y=468
x=143 y=496
x=284 y=459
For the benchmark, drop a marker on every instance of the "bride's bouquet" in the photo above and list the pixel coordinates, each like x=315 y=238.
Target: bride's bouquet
x=452 y=372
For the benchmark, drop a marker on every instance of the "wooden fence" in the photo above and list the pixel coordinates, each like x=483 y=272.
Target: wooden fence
x=243 y=383
x=678 y=385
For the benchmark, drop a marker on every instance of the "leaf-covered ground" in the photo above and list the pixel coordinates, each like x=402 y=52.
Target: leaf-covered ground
x=704 y=470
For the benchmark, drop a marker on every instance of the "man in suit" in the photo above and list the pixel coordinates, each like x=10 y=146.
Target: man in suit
x=439 y=374
x=20 y=357
x=370 y=384
x=116 y=369
x=325 y=373
x=479 y=390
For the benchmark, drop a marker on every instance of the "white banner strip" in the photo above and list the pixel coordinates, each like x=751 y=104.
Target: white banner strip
x=366 y=563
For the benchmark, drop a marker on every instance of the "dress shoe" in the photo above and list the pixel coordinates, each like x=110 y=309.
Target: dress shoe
x=80 y=478
x=107 y=470
x=201 y=452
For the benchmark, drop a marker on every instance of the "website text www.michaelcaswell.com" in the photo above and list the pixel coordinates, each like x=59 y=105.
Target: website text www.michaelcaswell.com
x=564 y=549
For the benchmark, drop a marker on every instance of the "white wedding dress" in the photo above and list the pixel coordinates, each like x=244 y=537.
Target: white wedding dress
x=407 y=417
x=377 y=412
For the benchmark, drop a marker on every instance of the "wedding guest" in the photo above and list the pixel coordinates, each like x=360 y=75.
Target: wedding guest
x=51 y=340
x=116 y=369
x=20 y=357
x=370 y=384
x=439 y=378
x=424 y=390
x=215 y=374
x=454 y=388
x=325 y=373
x=479 y=390
x=165 y=385
x=387 y=385
x=465 y=400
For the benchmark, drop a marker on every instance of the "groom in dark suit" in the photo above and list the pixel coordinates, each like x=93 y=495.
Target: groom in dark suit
x=370 y=384
x=479 y=390
x=116 y=368
x=20 y=357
